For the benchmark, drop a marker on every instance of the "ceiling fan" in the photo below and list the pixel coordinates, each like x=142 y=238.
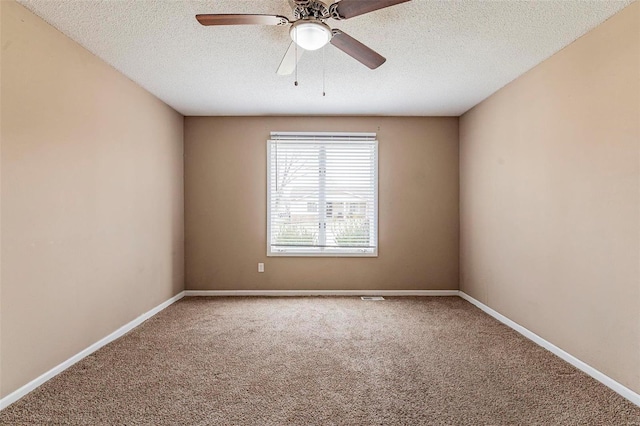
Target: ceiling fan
x=309 y=30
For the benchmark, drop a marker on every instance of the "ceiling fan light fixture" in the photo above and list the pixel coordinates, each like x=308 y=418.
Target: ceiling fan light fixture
x=310 y=35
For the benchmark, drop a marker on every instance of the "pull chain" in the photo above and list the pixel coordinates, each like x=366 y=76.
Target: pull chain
x=296 y=59
x=323 y=69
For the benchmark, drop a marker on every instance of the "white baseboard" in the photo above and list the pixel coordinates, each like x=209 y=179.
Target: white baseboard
x=298 y=293
x=586 y=368
x=19 y=393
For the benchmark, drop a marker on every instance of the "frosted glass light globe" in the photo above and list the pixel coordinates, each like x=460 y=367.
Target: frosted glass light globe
x=310 y=35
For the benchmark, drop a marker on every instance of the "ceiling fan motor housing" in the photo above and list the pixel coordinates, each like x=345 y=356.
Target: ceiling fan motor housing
x=305 y=9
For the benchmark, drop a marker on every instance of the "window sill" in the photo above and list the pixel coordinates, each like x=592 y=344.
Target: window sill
x=321 y=254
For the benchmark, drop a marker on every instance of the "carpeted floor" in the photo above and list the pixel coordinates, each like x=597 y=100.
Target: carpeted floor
x=322 y=361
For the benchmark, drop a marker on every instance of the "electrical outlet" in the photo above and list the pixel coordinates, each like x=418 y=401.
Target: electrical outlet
x=260 y=267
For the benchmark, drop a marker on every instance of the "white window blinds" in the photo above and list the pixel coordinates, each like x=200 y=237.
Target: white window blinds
x=322 y=194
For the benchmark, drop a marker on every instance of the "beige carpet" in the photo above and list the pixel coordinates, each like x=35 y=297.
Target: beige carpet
x=322 y=361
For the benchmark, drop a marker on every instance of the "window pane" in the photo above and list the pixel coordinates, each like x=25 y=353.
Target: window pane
x=322 y=197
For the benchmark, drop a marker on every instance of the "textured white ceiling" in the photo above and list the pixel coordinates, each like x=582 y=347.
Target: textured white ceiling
x=443 y=57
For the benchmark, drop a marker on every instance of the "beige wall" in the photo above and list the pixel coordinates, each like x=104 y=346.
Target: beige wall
x=92 y=199
x=225 y=206
x=550 y=199
x=1 y=32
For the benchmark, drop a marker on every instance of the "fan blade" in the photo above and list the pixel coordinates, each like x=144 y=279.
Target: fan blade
x=290 y=61
x=350 y=8
x=357 y=50
x=229 y=19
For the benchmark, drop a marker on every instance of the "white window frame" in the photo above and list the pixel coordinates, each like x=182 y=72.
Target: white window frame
x=313 y=137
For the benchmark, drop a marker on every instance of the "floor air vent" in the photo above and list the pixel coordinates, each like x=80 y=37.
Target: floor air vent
x=372 y=298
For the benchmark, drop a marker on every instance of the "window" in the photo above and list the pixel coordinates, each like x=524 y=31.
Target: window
x=322 y=194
